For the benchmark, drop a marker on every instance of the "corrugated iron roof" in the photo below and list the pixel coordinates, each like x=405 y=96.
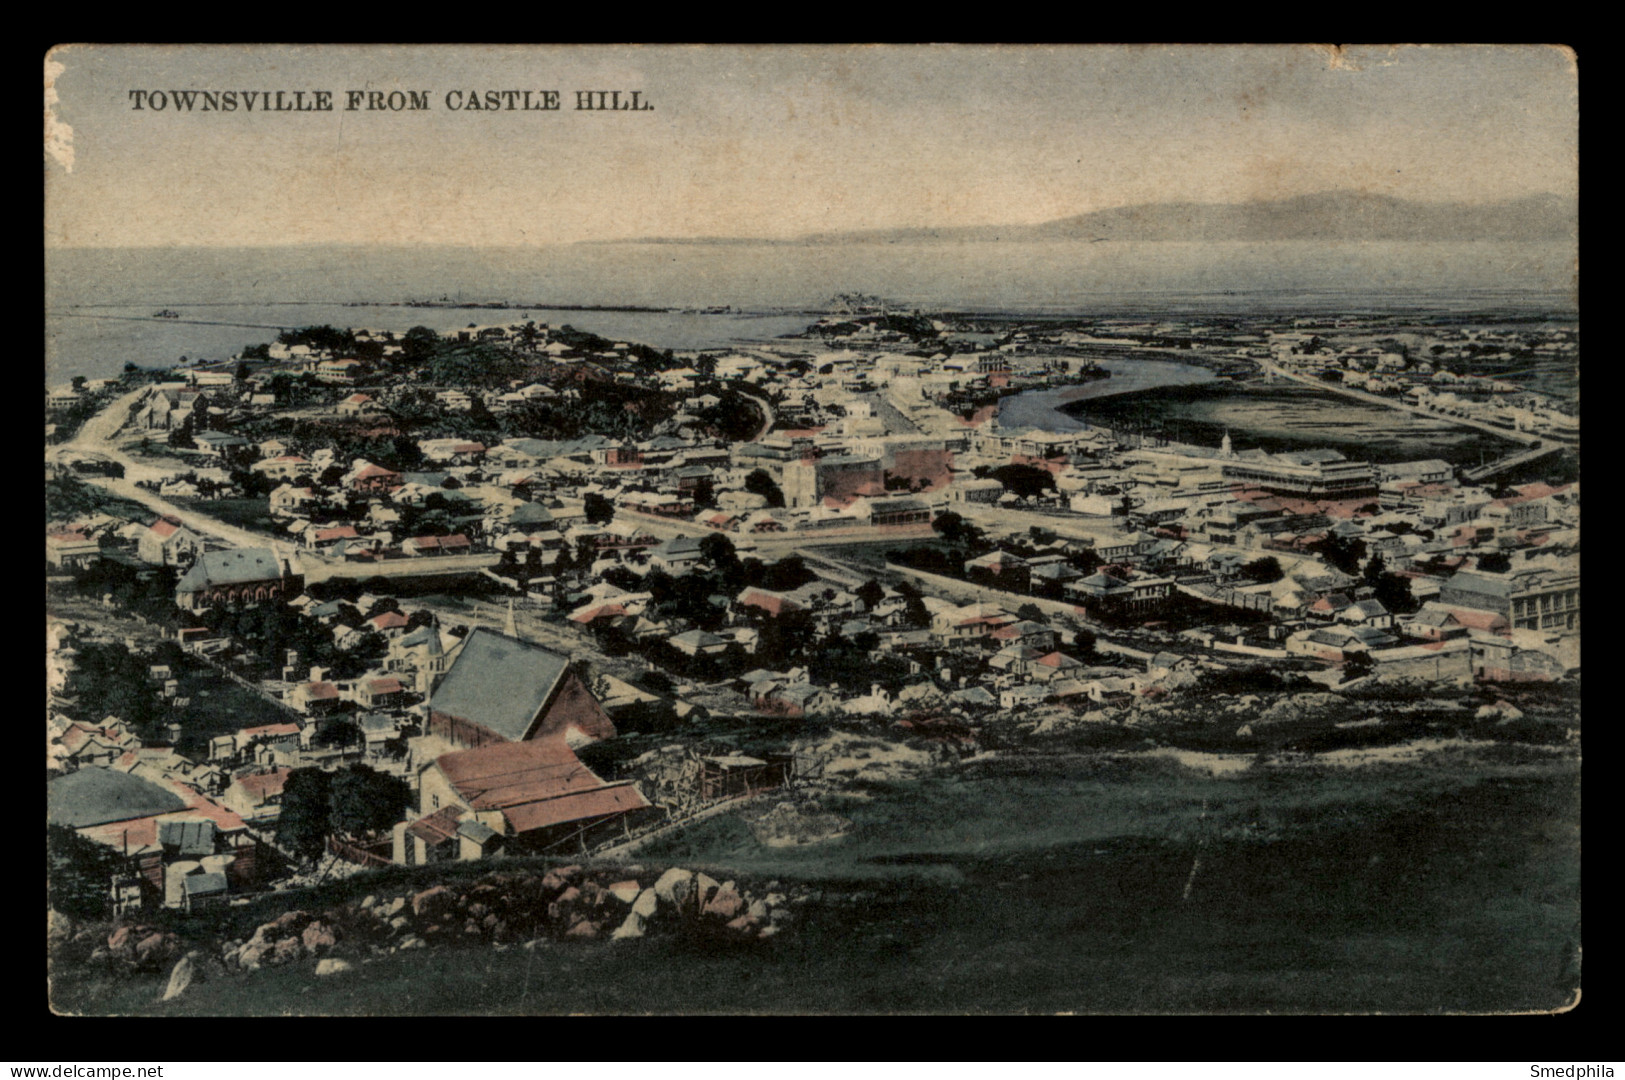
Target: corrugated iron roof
x=506 y=774
x=191 y=837
x=498 y=683
x=437 y=827
x=579 y=806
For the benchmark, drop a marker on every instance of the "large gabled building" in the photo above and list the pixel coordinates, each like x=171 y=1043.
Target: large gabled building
x=501 y=689
x=237 y=577
x=530 y=796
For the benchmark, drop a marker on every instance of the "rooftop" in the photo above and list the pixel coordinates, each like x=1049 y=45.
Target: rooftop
x=499 y=683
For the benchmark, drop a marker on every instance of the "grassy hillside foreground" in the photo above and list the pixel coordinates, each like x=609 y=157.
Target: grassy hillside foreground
x=1442 y=882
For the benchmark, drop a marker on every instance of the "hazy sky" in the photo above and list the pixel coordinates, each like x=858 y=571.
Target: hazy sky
x=779 y=141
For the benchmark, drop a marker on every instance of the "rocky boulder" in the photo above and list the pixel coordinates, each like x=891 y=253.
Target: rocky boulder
x=286 y=951
x=434 y=903
x=633 y=927
x=179 y=979
x=566 y=904
x=155 y=950
x=331 y=966
x=675 y=886
x=725 y=904
x=318 y=938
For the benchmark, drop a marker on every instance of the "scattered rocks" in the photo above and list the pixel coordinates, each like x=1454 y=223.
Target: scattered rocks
x=501 y=910
x=790 y=825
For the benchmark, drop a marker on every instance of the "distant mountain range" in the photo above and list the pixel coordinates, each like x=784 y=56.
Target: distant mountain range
x=1329 y=215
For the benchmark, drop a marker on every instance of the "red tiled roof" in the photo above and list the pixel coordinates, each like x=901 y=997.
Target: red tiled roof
x=342 y=532
x=389 y=620
x=164 y=527
x=320 y=691
x=68 y=537
x=384 y=686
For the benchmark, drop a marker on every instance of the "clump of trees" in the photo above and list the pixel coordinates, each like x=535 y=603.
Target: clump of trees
x=357 y=802
x=1264 y=571
x=759 y=482
x=78 y=873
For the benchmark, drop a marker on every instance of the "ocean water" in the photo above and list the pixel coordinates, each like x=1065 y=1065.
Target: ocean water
x=99 y=300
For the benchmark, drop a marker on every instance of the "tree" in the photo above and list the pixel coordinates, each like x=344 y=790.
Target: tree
x=181 y=437
x=705 y=493
x=340 y=733
x=79 y=873
x=1393 y=592
x=788 y=573
x=718 y=550
x=1374 y=569
x=1264 y=571
x=871 y=592
x=1343 y=554
x=1027 y=481
x=365 y=801
x=418 y=344
x=599 y=509
x=1030 y=612
x=1357 y=666
x=953 y=528
x=1496 y=562
x=760 y=482
x=302 y=827
x=915 y=613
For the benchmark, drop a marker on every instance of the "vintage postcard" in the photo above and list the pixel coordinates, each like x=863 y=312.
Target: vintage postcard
x=812 y=530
